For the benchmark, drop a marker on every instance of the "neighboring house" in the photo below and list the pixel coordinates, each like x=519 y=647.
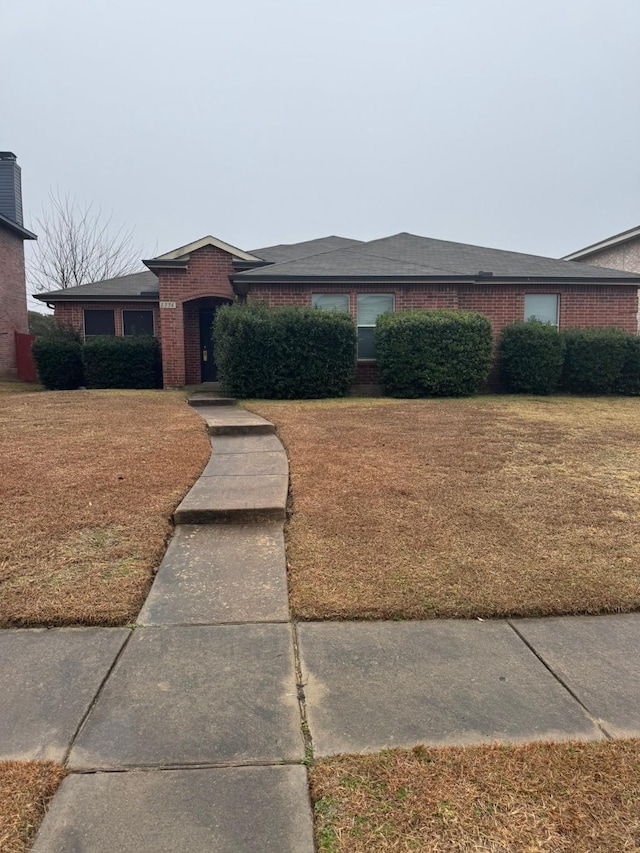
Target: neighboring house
x=13 y=291
x=620 y=252
x=177 y=298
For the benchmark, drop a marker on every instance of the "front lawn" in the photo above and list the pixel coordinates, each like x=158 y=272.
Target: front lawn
x=538 y=798
x=89 y=482
x=26 y=787
x=483 y=507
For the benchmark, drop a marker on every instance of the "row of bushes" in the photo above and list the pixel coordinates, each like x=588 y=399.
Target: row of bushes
x=64 y=362
x=535 y=358
x=295 y=353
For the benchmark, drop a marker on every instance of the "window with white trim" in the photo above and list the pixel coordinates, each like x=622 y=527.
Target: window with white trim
x=370 y=307
x=331 y=301
x=542 y=306
x=137 y=322
x=99 y=322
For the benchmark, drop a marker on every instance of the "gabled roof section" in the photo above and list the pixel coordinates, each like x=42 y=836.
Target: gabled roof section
x=139 y=286
x=185 y=251
x=616 y=240
x=409 y=256
x=294 y=251
x=9 y=224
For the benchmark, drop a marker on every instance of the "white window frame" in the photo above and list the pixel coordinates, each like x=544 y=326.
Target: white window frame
x=360 y=325
x=557 y=298
x=138 y=311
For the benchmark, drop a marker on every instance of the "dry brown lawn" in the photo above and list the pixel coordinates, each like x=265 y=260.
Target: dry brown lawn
x=580 y=797
x=26 y=788
x=493 y=506
x=89 y=481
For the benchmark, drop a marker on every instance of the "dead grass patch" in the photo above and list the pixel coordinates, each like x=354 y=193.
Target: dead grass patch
x=487 y=507
x=26 y=787
x=89 y=480
x=10 y=386
x=578 y=797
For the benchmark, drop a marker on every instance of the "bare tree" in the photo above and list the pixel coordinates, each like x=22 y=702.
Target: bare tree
x=76 y=245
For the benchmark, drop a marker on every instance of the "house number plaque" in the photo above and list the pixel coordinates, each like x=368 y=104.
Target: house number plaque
x=167 y=304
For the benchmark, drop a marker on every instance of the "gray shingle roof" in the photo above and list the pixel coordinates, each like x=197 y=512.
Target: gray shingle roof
x=294 y=251
x=409 y=255
x=138 y=285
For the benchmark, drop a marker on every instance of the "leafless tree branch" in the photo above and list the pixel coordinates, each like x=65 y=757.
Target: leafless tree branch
x=77 y=245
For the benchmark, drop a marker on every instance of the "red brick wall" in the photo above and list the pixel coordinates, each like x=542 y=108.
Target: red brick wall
x=71 y=313
x=580 y=305
x=205 y=277
x=13 y=299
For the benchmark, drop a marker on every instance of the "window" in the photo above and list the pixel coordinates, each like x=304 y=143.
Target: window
x=370 y=307
x=331 y=301
x=137 y=322
x=541 y=306
x=99 y=323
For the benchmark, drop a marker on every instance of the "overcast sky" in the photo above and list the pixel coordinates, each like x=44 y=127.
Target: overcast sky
x=506 y=123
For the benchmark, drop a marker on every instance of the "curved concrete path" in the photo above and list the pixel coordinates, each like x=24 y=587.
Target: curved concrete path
x=211 y=693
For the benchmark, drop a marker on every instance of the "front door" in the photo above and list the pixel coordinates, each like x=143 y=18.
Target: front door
x=208 y=372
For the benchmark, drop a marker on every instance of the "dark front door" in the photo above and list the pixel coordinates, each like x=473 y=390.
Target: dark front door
x=208 y=372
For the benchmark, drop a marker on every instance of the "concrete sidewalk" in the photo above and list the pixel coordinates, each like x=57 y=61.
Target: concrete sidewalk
x=186 y=733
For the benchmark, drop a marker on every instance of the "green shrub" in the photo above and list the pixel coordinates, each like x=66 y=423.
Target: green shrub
x=129 y=362
x=284 y=353
x=531 y=357
x=433 y=353
x=629 y=383
x=594 y=360
x=58 y=359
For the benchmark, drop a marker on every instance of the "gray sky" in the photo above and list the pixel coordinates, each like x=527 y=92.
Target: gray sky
x=506 y=123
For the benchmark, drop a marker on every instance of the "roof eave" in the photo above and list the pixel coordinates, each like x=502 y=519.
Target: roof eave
x=18 y=229
x=616 y=240
x=413 y=279
x=63 y=297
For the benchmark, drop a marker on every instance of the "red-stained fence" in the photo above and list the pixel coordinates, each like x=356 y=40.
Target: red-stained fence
x=24 y=360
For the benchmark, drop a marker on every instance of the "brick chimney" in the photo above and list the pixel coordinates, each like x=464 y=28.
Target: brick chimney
x=10 y=187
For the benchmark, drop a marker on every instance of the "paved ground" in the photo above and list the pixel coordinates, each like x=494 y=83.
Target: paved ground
x=197 y=713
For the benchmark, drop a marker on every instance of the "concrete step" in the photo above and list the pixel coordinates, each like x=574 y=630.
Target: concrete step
x=235 y=500
x=228 y=420
x=210 y=399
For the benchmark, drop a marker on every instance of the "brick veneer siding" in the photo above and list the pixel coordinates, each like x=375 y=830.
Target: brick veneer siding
x=13 y=299
x=580 y=305
x=206 y=278
x=72 y=313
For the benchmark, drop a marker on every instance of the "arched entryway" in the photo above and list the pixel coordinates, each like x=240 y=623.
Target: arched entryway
x=199 y=315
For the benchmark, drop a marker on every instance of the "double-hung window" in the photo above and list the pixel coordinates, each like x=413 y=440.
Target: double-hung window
x=370 y=307
x=542 y=306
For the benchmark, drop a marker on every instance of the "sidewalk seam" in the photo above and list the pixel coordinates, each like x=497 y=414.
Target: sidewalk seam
x=96 y=696
x=597 y=723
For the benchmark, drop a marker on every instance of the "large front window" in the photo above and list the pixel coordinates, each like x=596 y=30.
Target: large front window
x=370 y=307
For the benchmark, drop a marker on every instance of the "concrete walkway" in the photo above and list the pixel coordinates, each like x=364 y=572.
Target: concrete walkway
x=187 y=732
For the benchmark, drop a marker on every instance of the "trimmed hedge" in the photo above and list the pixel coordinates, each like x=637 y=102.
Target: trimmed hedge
x=629 y=382
x=433 y=353
x=58 y=359
x=129 y=362
x=594 y=360
x=284 y=353
x=531 y=357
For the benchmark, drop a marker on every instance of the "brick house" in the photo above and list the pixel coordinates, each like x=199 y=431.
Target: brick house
x=176 y=298
x=13 y=292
